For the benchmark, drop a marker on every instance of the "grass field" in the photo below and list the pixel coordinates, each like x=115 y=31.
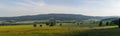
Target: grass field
x=29 y=30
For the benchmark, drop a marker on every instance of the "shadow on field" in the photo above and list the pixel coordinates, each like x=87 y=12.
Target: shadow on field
x=99 y=32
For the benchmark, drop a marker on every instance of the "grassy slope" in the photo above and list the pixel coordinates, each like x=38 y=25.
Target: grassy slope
x=28 y=30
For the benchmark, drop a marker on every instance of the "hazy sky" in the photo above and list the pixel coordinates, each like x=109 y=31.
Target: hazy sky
x=86 y=7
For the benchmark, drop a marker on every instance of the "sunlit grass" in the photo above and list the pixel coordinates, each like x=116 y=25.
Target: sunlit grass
x=29 y=30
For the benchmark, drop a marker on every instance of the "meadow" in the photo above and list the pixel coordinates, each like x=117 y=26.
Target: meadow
x=71 y=30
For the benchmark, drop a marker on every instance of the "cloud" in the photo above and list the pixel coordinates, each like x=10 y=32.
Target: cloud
x=86 y=7
x=29 y=7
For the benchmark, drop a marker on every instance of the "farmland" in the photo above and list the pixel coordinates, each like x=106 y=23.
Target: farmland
x=61 y=28
x=29 y=30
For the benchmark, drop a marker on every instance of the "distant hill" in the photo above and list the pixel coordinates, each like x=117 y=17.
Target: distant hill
x=110 y=19
x=48 y=16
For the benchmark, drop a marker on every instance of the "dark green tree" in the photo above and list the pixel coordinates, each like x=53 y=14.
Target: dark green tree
x=107 y=23
x=52 y=22
x=111 y=23
x=117 y=22
x=60 y=24
x=100 y=23
x=40 y=25
x=47 y=23
x=35 y=24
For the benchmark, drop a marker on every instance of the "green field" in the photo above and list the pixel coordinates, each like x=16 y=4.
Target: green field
x=29 y=30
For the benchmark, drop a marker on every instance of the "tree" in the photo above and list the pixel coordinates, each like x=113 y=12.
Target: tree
x=78 y=23
x=81 y=23
x=111 y=23
x=40 y=25
x=35 y=24
x=117 y=22
x=2 y=23
x=52 y=22
x=61 y=24
x=47 y=23
x=10 y=21
x=100 y=23
x=107 y=23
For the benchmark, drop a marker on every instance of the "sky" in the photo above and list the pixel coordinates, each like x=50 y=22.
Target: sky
x=10 y=8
